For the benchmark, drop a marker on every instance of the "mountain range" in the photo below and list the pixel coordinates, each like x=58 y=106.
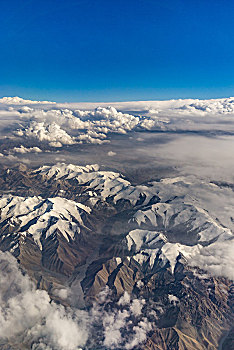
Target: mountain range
x=166 y=245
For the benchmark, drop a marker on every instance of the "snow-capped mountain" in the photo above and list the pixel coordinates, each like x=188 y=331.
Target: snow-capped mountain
x=189 y=215
x=41 y=218
x=169 y=242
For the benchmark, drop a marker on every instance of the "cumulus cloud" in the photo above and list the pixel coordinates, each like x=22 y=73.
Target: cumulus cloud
x=124 y=325
x=23 y=150
x=216 y=258
x=28 y=316
x=125 y=299
x=111 y=154
x=67 y=124
x=18 y=100
x=74 y=126
x=47 y=132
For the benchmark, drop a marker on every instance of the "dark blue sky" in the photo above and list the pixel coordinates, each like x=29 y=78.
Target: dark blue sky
x=112 y=50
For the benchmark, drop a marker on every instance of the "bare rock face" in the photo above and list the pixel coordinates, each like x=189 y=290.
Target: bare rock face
x=86 y=229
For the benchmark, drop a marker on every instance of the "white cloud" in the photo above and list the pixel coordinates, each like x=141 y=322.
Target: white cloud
x=125 y=299
x=217 y=258
x=55 y=144
x=66 y=124
x=137 y=306
x=111 y=154
x=18 y=100
x=140 y=139
x=61 y=293
x=124 y=327
x=140 y=334
x=47 y=132
x=23 y=150
x=27 y=316
x=11 y=158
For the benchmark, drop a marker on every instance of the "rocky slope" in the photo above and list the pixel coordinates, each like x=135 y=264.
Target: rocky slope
x=166 y=242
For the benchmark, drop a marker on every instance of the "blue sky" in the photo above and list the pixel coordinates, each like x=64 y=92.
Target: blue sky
x=116 y=50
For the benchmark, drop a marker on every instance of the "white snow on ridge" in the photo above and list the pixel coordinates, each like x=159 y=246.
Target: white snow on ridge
x=69 y=171
x=35 y=215
x=104 y=183
x=216 y=258
x=187 y=194
x=140 y=238
x=178 y=214
x=206 y=207
x=189 y=206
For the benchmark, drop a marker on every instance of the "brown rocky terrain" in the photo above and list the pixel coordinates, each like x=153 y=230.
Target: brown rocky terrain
x=188 y=308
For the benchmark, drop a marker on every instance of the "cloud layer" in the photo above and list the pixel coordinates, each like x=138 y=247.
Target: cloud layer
x=67 y=124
